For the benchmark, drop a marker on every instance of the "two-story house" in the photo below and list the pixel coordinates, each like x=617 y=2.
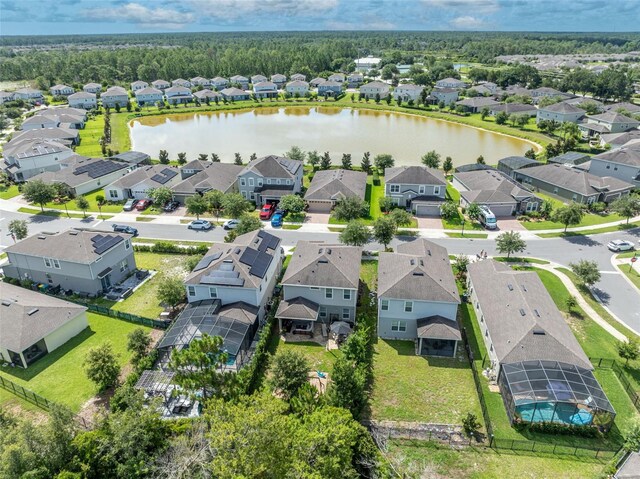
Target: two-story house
x=82 y=99
x=298 y=77
x=320 y=285
x=269 y=178
x=28 y=158
x=374 y=89
x=608 y=122
x=407 y=92
x=297 y=88
x=139 y=85
x=61 y=90
x=219 y=83
x=160 y=84
x=241 y=81
x=92 y=87
x=178 y=95
x=337 y=77
x=329 y=88
x=116 y=95
x=28 y=94
x=330 y=186
x=279 y=79
x=206 y=95
x=84 y=261
x=265 y=89
x=181 y=82
x=418 y=298
x=148 y=96
x=354 y=80
x=34 y=324
x=446 y=96
x=451 y=83
x=622 y=163
x=200 y=81
x=417 y=188
x=559 y=112
x=258 y=79
x=244 y=271
x=137 y=183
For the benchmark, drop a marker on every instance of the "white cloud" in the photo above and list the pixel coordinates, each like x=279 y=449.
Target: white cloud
x=376 y=25
x=475 y=6
x=140 y=14
x=235 y=9
x=467 y=22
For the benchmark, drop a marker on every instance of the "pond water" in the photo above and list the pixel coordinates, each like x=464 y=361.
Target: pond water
x=267 y=131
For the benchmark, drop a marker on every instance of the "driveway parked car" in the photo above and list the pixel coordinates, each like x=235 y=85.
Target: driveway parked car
x=170 y=206
x=230 y=224
x=621 y=245
x=130 y=205
x=125 y=229
x=143 y=204
x=267 y=211
x=200 y=225
x=276 y=220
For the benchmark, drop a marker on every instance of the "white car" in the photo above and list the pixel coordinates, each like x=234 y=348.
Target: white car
x=230 y=224
x=200 y=225
x=621 y=245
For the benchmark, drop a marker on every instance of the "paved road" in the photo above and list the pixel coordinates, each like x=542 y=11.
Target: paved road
x=620 y=297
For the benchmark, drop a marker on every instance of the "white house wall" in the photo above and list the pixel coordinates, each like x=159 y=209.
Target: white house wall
x=67 y=331
x=421 y=309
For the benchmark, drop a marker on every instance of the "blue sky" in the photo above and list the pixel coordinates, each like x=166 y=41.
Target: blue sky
x=41 y=17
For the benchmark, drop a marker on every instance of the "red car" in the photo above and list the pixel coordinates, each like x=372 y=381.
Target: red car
x=143 y=204
x=267 y=211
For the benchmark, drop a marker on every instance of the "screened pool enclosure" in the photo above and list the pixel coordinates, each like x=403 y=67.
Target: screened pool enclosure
x=551 y=391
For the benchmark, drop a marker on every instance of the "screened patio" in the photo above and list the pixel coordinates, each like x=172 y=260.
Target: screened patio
x=551 y=391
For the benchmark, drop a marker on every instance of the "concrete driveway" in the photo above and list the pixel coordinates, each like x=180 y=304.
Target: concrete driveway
x=429 y=222
x=317 y=218
x=510 y=224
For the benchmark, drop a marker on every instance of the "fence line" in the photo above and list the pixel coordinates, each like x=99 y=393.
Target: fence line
x=131 y=318
x=620 y=373
x=25 y=393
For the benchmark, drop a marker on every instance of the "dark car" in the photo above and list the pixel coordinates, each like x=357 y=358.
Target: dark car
x=282 y=212
x=130 y=205
x=170 y=206
x=125 y=229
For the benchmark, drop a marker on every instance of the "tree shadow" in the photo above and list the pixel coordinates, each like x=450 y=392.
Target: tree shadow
x=602 y=295
x=580 y=240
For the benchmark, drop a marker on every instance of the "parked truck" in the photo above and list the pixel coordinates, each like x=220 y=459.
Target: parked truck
x=487 y=218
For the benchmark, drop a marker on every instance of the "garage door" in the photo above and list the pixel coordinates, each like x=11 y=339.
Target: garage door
x=319 y=206
x=501 y=210
x=427 y=210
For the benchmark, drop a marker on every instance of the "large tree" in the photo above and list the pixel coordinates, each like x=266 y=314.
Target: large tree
x=384 y=229
x=570 y=214
x=431 y=159
x=325 y=161
x=18 y=229
x=163 y=156
x=138 y=344
x=510 y=242
x=160 y=195
x=215 y=202
x=289 y=372
x=383 y=161
x=587 y=271
x=313 y=158
x=83 y=204
x=627 y=206
x=346 y=161
x=365 y=164
x=171 y=290
x=447 y=165
x=295 y=153
x=196 y=205
x=351 y=208
x=292 y=204
x=348 y=381
x=38 y=192
x=234 y=205
x=101 y=366
x=355 y=233
x=198 y=368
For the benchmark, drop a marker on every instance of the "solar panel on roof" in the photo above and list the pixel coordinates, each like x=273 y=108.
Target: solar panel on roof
x=249 y=256
x=206 y=261
x=261 y=265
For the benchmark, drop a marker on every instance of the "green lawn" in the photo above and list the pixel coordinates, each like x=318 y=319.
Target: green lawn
x=632 y=273
x=318 y=357
x=90 y=136
x=6 y=193
x=515 y=259
x=453 y=194
x=375 y=193
x=594 y=231
x=110 y=207
x=407 y=387
x=589 y=219
x=441 y=461
x=58 y=213
x=59 y=375
x=468 y=235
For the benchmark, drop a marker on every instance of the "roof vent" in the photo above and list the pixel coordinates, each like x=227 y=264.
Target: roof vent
x=510 y=286
x=42 y=237
x=328 y=250
x=418 y=273
x=537 y=313
x=32 y=312
x=6 y=302
x=429 y=252
x=320 y=251
x=73 y=233
x=237 y=251
x=421 y=263
x=412 y=261
x=524 y=288
x=539 y=332
x=522 y=312
x=323 y=261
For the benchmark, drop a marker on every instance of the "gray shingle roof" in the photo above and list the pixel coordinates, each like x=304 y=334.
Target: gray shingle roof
x=332 y=266
x=611 y=117
x=337 y=184
x=72 y=245
x=619 y=139
x=504 y=295
x=516 y=108
x=143 y=173
x=626 y=155
x=477 y=102
x=562 y=108
x=44 y=133
x=438 y=327
x=630 y=469
x=33 y=148
x=414 y=175
x=574 y=179
x=298 y=308
x=492 y=181
x=420 y=270
x=572 y=157
x=212 y=176
x=21 y=329
x=273 y=166
x=77 y=170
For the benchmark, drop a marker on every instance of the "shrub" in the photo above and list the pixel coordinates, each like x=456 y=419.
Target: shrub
x=557 y=428
x=470 y=424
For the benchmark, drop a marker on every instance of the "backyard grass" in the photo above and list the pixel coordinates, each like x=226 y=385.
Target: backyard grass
x=8 y=192
x=59 y=376
x=453 y=194
x=318 y=357
x=120 y=137
x=414 y=388
x=435 y=460
x=90 y=137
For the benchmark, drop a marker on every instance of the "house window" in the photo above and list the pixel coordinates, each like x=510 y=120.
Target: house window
x=243 y=182
x=268 y=181
x=124 y=265
x=322 y=311
x=399 y=326
x=422 y=189
x=289 y=181
x=328 y=293
x=384 y=305
x=555 y=190
x=608 y=167
x=436 y=190
x=244 y=195
x=251 y=182
x=191 y=290
x=408 y=306
x=47 y=262
x=113 y=193
x=394 y=188
x=277 y=181
x=259 y=181
x=346 y=314
x=213 y=293
x=253 y=196
x=346 y=294
x=127 y=244
x=574 y=197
